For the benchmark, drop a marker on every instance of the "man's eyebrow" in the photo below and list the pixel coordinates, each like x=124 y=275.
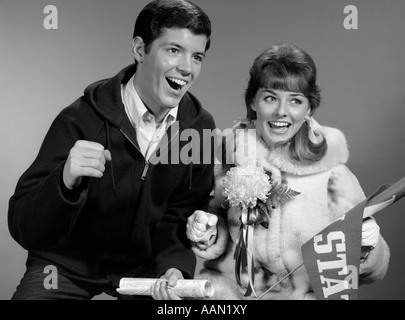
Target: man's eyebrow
x=201 y=54
x=175 y=44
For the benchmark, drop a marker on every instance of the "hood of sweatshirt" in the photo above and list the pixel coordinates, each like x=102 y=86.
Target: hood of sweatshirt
x=105 y=97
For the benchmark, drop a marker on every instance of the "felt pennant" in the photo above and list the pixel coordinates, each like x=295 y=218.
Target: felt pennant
x=332 y=257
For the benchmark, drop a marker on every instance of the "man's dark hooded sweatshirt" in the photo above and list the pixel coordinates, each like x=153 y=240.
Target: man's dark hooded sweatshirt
x=131 y=222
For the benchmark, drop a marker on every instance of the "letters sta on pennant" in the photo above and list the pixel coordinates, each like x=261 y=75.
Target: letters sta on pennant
x=336 y=276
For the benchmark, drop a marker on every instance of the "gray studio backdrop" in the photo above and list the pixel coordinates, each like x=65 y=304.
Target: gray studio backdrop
x=360 y=73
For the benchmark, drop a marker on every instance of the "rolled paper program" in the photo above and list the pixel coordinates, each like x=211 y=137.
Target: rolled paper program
x=183 y=288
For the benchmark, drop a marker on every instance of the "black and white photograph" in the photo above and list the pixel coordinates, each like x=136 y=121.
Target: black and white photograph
x=202 y=150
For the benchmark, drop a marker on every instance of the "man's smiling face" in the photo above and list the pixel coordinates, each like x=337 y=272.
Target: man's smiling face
x=168 y=69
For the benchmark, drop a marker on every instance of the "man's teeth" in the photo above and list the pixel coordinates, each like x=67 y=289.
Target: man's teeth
x=176 y=83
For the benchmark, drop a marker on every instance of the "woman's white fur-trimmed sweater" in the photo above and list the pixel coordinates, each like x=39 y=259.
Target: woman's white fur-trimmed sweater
x=327 y=190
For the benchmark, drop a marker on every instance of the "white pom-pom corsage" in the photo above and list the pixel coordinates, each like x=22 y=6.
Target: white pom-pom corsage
x=245 y=184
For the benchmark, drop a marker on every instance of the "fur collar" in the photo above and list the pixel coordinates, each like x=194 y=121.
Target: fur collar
x=244 y=136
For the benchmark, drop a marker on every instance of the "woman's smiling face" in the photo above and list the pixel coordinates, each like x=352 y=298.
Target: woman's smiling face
x=280 y=114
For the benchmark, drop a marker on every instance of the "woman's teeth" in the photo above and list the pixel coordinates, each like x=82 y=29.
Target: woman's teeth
x=279 y=126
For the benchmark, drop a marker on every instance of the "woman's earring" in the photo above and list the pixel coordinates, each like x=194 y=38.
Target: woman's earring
x=314 y=130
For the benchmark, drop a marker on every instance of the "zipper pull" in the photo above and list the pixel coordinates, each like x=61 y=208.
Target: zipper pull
x=145 y=170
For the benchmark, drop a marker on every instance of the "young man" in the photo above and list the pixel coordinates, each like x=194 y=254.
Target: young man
x=95 y=205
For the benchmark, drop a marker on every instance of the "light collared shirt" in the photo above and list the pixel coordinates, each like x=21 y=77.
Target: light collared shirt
x=148 y=131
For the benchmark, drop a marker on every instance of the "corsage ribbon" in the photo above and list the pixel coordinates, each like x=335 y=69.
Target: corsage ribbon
x=245 y=186
x=243 y=254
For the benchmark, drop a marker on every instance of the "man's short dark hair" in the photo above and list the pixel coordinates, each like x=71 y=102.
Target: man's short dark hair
x=160 y=14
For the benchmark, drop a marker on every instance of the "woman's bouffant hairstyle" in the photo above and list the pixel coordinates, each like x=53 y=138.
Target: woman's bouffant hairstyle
x=288 y=68
x=160 y=14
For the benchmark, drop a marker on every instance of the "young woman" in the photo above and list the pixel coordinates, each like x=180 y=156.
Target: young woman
x=297 y=153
